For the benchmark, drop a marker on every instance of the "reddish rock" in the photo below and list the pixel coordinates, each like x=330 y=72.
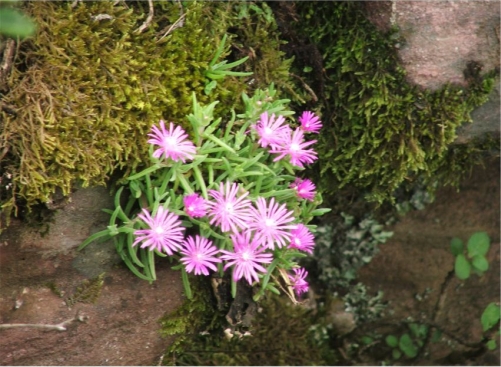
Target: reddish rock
x=39 y=273
x=437 y=39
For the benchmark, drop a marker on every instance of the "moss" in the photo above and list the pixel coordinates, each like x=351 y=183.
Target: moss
x=194 y=316
x=86 y=91
x=279 y=336
x=88 y=292
x=380 y=131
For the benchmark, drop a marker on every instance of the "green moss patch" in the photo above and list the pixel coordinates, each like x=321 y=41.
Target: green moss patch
x=379 y=131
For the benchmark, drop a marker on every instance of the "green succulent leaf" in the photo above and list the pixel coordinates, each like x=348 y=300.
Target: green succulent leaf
x=457 y=246
x=478 y=244
x=480 y=263
x=491 y=344
x=13 y=23
x=391 y=340
x=462 y=267
x=490 y=316
x=407 y=346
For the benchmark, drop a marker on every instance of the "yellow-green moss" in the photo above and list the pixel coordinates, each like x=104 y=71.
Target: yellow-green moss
x=86 y=91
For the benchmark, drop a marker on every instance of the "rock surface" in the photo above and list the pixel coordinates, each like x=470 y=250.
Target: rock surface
x=40 y=281
x=415 y=267
x=439 y=41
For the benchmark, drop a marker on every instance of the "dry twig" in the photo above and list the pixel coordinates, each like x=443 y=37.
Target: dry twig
x=177 y=24
x=149 y=19
x=59 y=327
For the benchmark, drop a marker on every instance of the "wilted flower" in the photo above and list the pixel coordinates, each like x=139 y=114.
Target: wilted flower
x=229 y=211
x=173 y=143
x=270 y=130
x=165 y=232
x=272 y=222
x=246 y=258
x=199 y=254
x=294 y=146
x=305 y=188
x=310 y=122
x=298 y=282
x=302 y=239
x=194 y=205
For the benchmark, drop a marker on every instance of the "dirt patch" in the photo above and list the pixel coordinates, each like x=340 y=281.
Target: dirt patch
x=415 y=270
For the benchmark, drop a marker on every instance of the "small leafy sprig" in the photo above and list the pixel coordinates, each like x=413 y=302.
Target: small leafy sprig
x=220 y=70
x=228 y=198
x=475 y=259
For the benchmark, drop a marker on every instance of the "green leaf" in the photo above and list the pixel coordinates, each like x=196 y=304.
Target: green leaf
x=15 y=24
x=490 y=316
x=480 y=263
x=491 y=344
x=407 y=346
x=437 y=334
x=462 y=267
x=391 y=340
x=457 y=246
x=186 y=283
x=396 y=354
x=367 y=340
x=478 y=244
x=209 y=87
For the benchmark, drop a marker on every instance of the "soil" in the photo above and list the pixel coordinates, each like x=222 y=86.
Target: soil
x=415 y=270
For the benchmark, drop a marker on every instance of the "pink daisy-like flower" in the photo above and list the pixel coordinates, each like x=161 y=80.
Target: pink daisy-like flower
x=298 y=282
x=302 y=239
x=305 y=189
x=246 y=258
x=310 y=122
x=229 y=211
x=172 y=142
x=199 y=254
x=295 y=147
x=272 y=223
x=270 y=130
x=165 y=232
x=195 y=206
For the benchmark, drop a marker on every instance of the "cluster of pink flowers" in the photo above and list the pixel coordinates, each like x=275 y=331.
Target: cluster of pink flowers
x=255 y=228
x=282 y=140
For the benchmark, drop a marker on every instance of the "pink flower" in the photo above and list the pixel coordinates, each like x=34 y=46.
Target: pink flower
x=199 y=254
x=246 y=258
x=195 y=206
x=272 y=223
x=298 y=282
x=302 y=239
x=310 y=122
x=173 y=143
x=294 y=146
x=270 y=131
x=305 y=188
x=165 y=232
x=229 y=211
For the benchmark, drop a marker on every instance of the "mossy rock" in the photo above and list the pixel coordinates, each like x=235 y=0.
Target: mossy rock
x=379 y=131
x=88 y=87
